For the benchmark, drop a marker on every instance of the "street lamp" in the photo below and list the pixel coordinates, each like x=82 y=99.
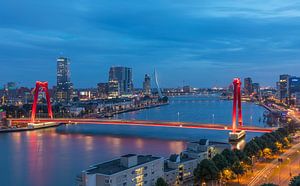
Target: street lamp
x=289 y=160
x=299 y=159
x=178 y=114
x=278 y=174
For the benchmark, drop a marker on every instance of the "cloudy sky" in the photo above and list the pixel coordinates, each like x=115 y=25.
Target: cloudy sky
x=203 y=43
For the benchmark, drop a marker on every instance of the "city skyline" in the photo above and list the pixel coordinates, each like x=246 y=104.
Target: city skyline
x=192 y=42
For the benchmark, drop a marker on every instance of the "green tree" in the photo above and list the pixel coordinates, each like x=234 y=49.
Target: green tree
x=268 y=184
x=220 y=161
x=242 y=156
x=161 y=182
x=295 y=181
x=238 y=169
x=230 y=156
x=251 y=149
x=206 y=170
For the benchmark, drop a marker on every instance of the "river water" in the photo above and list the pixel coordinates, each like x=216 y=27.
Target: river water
x=54 y=156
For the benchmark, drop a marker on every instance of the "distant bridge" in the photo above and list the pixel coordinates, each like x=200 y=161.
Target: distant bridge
x=191 y=125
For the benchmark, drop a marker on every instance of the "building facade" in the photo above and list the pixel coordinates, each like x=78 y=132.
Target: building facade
x=64 y=85
x=147 y=85
x=102 y=90
x=293 y=88
x=283 y=87
x=248 y=89
x=128 y=170
x=113 y=89
x=124 y=76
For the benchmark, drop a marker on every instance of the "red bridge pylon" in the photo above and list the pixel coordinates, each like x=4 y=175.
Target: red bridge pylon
x=41 y=86
x=237 y=100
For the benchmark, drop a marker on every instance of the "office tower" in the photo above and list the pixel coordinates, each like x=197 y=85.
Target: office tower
x=293 y=88
x=256 y=88
x=124 y=76
x=113 y=88
x=147 y=85
x=283 y=87
x=102 y=90
x=248 y=89
x=64 y=85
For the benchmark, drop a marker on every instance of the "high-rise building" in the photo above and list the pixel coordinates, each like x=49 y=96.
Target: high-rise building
x=256 y=88
x=147 y=85
x=64 y=85
x=124 y=76
x=102 y=90
x=248 y=86
x=283 y=87
x=113 y=88
x=293 y=88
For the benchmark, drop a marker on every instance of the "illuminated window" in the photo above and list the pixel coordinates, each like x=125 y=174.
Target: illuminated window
x=139 y=171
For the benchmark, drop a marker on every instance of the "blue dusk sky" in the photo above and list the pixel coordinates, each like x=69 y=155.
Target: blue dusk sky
x=202 y=43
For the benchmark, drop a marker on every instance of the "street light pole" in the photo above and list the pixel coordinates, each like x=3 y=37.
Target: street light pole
x=289 y=160
x=178 y=114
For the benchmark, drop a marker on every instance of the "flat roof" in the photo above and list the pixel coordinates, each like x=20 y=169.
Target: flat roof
x=114 y=166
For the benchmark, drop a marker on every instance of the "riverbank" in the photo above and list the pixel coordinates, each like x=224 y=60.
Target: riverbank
x=30 y=127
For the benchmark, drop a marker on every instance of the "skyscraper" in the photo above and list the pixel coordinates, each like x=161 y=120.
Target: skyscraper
x=248 y=86
x=124 y=76
x=64 y=85
x=113 y=89
x=147 y=85
x=293 y=88
x=283 y=87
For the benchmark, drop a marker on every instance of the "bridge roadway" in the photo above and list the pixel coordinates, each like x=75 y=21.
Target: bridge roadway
x=191 y=125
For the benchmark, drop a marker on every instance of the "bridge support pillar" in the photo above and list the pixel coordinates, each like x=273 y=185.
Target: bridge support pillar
x=236 y=134
x=41 y=86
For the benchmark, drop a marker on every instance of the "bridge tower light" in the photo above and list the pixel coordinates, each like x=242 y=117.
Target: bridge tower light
x=41 y=86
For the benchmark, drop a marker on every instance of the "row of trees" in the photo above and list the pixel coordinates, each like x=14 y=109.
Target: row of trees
x=269 y=144
x=231 y=164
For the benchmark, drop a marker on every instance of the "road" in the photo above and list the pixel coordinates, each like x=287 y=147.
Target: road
x=275 y=172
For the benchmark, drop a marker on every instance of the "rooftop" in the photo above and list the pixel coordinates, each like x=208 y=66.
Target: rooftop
x=114 y=166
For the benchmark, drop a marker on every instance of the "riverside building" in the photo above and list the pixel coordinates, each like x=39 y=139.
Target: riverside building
x=128 y=170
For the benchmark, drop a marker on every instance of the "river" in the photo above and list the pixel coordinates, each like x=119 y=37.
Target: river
x=54 y=156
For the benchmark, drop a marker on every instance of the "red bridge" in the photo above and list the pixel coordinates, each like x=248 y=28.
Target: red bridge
x=43 y=86
x=191 y=125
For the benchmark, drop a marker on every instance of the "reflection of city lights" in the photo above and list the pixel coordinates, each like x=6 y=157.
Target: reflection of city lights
x=139 y=143
x=88 y=143
x=176 y=146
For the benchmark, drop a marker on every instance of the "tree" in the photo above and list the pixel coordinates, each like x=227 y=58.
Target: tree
x=251 y=149
x=238 y=169
x=242 y=156
x=220 y=161
x=267 y=153
x=206 y=170
x=268 y=184
x=295 y=181
x=230 y=156
x=161 y=182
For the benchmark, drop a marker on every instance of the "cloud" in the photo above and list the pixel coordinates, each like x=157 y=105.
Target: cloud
x=194 y=37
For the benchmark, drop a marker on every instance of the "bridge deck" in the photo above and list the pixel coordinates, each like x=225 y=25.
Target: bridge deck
x=193 y=125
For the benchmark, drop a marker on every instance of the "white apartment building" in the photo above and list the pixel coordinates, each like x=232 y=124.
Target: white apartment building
x=129 y=170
